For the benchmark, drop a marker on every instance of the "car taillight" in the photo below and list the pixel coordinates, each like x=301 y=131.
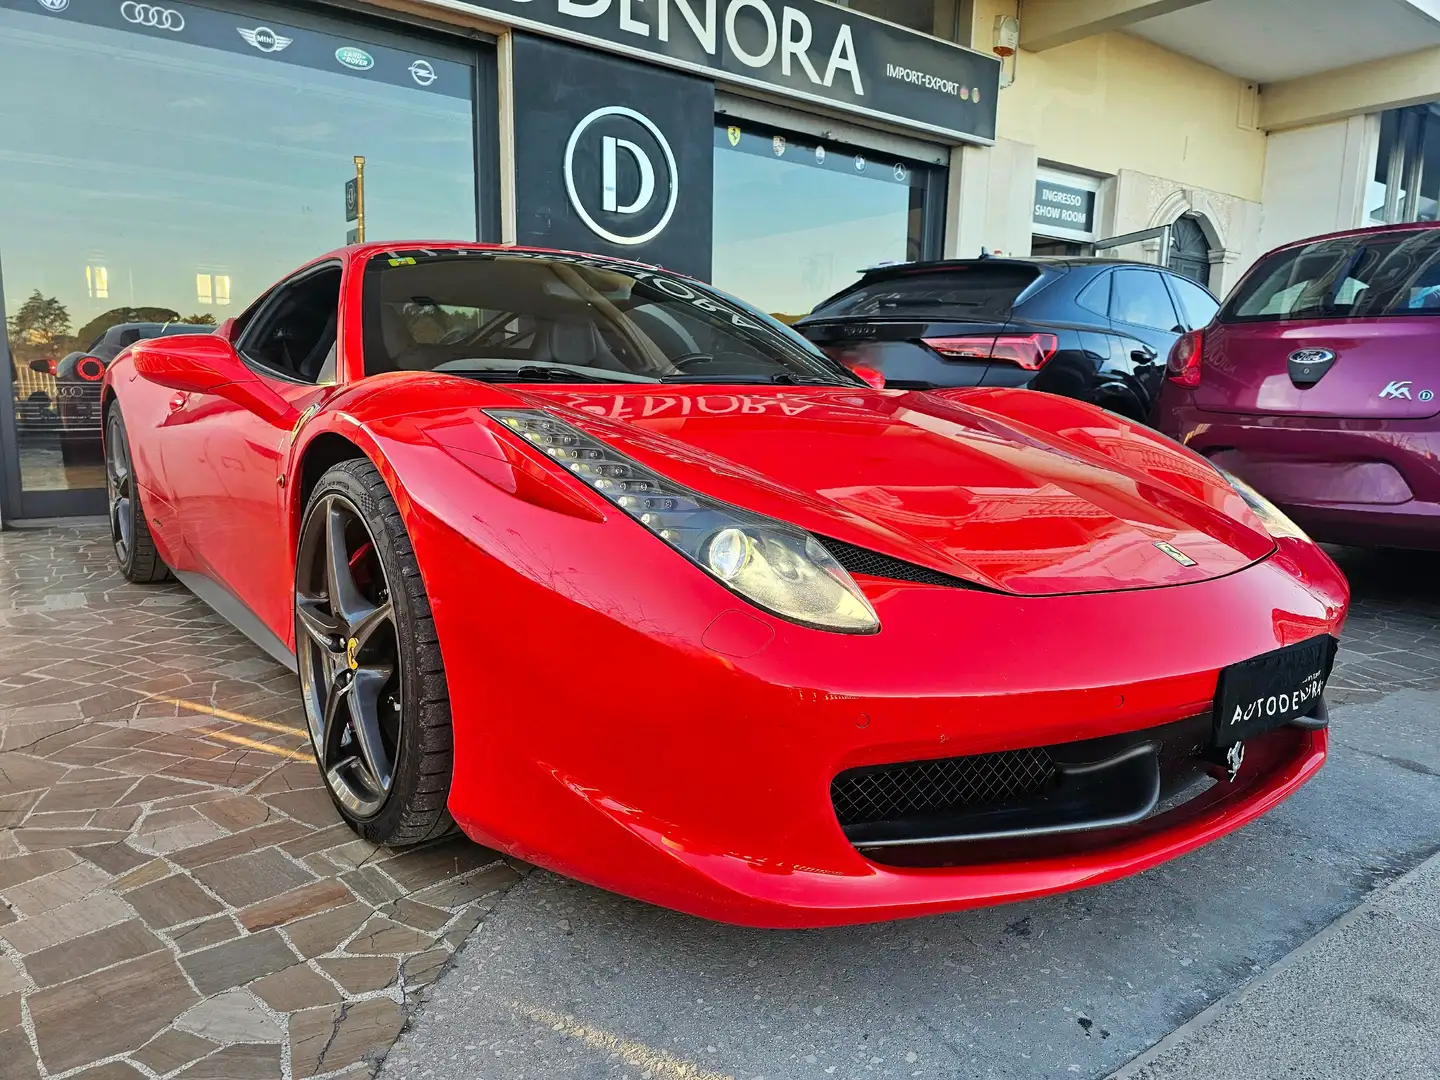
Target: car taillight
x=1029 y=351
x=1183 y=367
x=50 y=364
x=90 y=369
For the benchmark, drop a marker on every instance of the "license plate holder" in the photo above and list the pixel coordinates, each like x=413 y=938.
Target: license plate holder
x=1270 y=690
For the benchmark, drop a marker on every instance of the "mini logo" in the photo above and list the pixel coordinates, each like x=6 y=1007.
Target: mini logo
x=355 y=59
x=778 y=145
x=264 y=39
x=900 y=173
x=820 y=155
x=859 y=162
x=423 y=73
x=733 y=134
x=54 y=5
x=618 y=118
x=1312 y=356
x=1399 y=389
x=1175 y=553
x=150 y=15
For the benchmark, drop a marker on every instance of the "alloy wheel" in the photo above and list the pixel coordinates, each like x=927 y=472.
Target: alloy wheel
x=119 y=488
x=347 y=646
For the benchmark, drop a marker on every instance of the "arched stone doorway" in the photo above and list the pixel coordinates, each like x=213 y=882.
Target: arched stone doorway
x=1190 y=249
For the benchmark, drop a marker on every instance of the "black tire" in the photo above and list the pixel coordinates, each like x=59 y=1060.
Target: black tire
x=348 y=650
x=129 y=528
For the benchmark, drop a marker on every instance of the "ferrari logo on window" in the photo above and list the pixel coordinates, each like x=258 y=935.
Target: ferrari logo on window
x=733 y=134
x=1175 y=553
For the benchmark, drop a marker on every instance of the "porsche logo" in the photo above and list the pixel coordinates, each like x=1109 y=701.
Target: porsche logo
x=351 y=648
x=733 y=134
x=1175 y=553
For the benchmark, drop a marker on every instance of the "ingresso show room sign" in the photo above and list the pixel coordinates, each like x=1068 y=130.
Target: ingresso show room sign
x=805 y=49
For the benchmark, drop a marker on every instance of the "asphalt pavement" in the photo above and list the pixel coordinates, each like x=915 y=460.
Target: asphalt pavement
x=564 y=982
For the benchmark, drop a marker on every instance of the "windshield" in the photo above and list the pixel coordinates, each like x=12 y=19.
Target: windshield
x=518 y=316
x=980 y=290
x=1345 y=278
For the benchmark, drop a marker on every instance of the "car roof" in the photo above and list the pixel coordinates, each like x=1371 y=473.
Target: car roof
x=1369 y=230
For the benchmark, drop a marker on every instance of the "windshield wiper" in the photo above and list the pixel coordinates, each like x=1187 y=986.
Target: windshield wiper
x=783 y=378
x=534 y=373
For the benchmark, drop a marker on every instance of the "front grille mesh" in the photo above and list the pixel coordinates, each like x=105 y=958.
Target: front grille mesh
x=860 y=560
x=892 y=792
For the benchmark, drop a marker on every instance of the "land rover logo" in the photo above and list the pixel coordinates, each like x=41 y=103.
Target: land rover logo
x=355 y=59
x=599 y=197
x=1312 y=356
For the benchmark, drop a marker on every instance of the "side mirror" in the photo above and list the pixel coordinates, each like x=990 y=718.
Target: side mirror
x=207 y=364
x=192 y=363
x=871 y=377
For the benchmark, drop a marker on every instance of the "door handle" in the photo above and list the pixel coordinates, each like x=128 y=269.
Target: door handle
x=178 y=402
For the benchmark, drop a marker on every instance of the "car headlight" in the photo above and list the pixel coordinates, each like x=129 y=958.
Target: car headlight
x=772 y=564
x=1276 y=523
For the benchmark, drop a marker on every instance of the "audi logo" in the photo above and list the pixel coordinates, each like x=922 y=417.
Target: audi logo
x=150 y=15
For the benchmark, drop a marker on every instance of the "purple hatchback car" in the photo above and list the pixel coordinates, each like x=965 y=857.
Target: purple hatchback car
x=1318 y=382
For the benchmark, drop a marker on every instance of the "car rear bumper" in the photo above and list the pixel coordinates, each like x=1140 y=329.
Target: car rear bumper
x=659 y=762
x=1344 y=481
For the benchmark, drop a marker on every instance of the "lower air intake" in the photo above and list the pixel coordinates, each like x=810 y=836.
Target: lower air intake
x=919 y=788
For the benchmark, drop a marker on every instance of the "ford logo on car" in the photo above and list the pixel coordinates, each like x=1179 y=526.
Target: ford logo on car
x=1312 y=356
x=356 y=59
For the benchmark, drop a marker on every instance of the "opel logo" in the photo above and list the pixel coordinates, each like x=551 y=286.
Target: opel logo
x=601 y=193
x=422 y=72
x=1312 y=356
x=149 y=15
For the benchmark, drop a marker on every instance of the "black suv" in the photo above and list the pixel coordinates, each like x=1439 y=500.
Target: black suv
x=1095 y=329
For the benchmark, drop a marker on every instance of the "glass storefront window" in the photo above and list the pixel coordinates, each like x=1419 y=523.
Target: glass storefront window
x=1406 y=183
x=797 y=220
x=179 y=167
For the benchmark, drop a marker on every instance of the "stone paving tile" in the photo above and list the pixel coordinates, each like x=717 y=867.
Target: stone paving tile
x=170 y=902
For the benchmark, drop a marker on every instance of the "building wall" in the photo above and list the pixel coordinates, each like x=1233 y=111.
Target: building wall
x=1316 y=179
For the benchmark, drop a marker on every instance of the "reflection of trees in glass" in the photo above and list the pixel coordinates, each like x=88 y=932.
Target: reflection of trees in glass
x=115 y=316
x=205 y=319
x=40 y=320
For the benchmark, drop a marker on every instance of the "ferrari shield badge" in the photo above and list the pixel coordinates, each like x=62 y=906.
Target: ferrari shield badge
x=1175 y=553
x=733 y=134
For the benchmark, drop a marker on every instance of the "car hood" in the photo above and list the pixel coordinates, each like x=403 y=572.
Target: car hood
x=1013 y=490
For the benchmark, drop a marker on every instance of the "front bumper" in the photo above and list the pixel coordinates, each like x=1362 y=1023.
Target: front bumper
x=1367 y=483
x=632 y=724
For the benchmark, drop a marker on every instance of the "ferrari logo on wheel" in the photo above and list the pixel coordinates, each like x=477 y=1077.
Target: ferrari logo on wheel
x=351 y=648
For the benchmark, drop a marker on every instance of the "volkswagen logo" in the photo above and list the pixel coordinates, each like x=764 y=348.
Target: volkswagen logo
x=1312 y=356
x=150 y=15
x=611 y=178
x=54 y=5
x=265 y=39
x=422 y=72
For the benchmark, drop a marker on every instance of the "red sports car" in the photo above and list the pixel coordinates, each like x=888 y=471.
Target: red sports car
x=627 y=579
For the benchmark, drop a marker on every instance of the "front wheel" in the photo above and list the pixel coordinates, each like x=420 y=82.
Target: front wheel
x=376 y=700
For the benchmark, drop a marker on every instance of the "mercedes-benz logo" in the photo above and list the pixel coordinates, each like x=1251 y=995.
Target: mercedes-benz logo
x=150 y=15
x=423 y=72
x=601 y=131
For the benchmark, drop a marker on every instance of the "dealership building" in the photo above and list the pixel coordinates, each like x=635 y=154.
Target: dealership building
x=171 y=160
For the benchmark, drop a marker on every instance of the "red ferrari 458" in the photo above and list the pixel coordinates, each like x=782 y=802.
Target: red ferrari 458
x=625 y=578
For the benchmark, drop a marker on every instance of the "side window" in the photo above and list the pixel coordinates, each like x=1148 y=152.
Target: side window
x=1096 y=296
x=294 y=333
x=1139 y=297
x=1198 y=306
